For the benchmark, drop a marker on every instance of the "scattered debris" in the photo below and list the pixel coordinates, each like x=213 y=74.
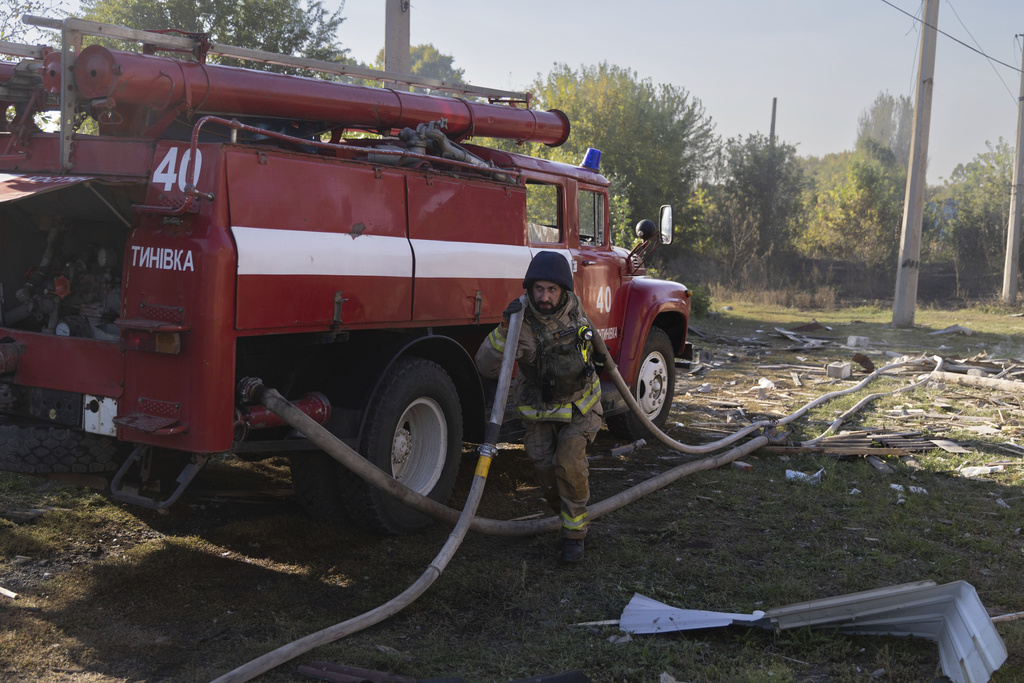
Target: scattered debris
x=8 y=594
x=645 y=615
x=793 y=475
x=913 y=489
x=1007 y=385
x=863 y=361
x=23 y=516
x=879 y=464
x=953 y=329
x=858 y=342
x=980 y=470
x=811 y=327
x=970 y=648
x=838 y=370
x=628 y=448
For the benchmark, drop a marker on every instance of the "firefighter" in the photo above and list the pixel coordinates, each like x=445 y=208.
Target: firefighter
x=558 y=390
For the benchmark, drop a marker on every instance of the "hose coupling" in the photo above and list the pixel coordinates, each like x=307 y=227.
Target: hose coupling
x=248 y=389
x=487 y=450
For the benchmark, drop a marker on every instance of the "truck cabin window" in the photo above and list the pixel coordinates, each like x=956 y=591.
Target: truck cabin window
x=591 y=213
x=543 y=214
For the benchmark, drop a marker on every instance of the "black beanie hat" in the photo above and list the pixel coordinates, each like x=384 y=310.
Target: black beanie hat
x=550 y=266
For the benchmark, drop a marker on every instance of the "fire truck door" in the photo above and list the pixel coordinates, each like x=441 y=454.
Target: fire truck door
x=597 y=266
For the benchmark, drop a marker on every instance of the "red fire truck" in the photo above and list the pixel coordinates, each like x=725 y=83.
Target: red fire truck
x=190 y=225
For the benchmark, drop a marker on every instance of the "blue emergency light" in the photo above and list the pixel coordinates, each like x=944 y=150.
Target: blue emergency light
x=592 y=159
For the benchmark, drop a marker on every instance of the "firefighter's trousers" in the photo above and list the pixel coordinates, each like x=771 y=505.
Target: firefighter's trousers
x=560 y=449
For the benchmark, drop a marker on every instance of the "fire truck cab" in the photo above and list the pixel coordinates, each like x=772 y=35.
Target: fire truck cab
x=342 y=243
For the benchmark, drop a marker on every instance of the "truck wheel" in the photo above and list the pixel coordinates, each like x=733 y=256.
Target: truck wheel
x=653 y=388
x=414 y=433
x=41 y=449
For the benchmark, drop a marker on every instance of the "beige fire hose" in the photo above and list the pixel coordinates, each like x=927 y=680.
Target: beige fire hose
x=466 y=520
x=433 y=571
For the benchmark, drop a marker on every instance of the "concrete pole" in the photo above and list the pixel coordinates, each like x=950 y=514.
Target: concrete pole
x=396 y=37
x=1013 y=229
x=913 y=203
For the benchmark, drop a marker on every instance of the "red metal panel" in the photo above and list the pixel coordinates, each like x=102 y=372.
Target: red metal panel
x=92 y=155
x=645 y=300
x=467 y=238
x=300 y=251
x=186 y=275
x=68 y=363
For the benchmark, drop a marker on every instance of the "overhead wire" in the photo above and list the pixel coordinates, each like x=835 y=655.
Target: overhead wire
x=998 y=75
x=953 y=38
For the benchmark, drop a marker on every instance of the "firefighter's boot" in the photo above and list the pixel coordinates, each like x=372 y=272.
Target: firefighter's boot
x=572 y=549
x=549 y=488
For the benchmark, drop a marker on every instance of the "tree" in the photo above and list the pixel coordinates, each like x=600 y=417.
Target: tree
x=656 y=140
x=971 y=224
x=755 y=213
x=428 y=62
x=282 y=26
x=856 y=213
x=889 y=122
x=11 y=27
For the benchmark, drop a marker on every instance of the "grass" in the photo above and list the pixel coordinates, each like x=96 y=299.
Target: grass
x=114 y=593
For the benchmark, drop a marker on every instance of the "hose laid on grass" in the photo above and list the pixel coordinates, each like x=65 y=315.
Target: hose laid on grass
x=466 y=520
x=378 y=614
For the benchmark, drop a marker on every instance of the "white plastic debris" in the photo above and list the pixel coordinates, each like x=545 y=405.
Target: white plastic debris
x=980 y=470
x=646 y=615
x=793 y=475
x=912 y=489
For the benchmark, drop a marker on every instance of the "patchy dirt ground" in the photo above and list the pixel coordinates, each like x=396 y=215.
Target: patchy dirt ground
x=111 y=593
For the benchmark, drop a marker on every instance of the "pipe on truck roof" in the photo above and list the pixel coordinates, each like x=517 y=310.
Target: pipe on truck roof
x=164 y=83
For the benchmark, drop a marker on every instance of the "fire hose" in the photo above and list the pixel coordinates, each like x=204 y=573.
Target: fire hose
x=466 y=520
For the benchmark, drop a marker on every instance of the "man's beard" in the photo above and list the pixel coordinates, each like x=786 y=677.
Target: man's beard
x=548 y=308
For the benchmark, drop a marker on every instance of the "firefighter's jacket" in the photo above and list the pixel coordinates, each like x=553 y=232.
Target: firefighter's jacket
x=531 y=404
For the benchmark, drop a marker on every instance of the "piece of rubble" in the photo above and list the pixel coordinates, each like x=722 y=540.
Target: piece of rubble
x=838 y=370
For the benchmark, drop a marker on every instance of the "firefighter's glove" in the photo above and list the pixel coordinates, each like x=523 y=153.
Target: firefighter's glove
x=514 y=306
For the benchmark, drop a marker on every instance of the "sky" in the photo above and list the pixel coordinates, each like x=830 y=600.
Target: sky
x=824 y=60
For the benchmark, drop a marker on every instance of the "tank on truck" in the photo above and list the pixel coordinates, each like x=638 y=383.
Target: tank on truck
x=61 y=67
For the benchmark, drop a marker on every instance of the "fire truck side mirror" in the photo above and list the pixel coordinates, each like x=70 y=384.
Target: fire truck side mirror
x=665 y=218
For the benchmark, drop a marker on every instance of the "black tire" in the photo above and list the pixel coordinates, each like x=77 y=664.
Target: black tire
x=414 y=433
x=41 y=449
x=653 y=388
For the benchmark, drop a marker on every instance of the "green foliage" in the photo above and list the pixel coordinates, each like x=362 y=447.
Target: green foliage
x=971 y=214
x=857 y=216
x=287 y=27
x=11 y=27
x=656 y=138
x=700 y=300
x=427 y=62
x=889 y=122
x=754 y=213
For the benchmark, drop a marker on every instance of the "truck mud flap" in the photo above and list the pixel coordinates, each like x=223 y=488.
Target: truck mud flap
x=139 y=461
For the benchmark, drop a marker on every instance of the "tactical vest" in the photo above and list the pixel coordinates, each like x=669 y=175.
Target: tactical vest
x=564 y=365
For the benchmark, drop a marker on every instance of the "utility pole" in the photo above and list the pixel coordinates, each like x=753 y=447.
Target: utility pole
x=913 y=204
x=771 y=136
x=1013 y=228
x=396 y=37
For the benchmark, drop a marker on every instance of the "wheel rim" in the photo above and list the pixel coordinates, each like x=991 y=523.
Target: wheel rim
x=652 y=385
x=420 y=445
